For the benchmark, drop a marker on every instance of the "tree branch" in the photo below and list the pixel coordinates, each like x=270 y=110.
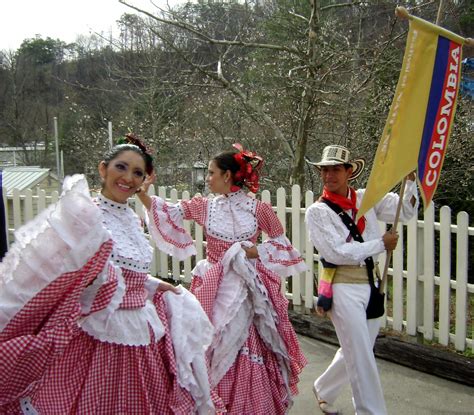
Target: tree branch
x=203 y=37
x=336 y=6
x=219 y=77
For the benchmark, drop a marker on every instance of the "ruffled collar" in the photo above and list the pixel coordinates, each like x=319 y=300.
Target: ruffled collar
x=108 y=203
x=232 y=196
x=231 y=217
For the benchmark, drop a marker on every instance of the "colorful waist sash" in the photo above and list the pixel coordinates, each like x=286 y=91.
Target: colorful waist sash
x=338 y=274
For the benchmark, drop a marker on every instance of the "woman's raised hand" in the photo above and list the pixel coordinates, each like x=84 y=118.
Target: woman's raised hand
x=149 y=180
x=142 y=192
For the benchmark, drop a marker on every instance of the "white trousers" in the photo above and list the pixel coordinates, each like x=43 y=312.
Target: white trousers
x=354 y=362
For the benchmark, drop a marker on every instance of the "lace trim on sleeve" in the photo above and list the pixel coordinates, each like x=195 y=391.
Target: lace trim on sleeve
x=129 y=327
x=151 y=285
x=165 y=222
x=278 y=255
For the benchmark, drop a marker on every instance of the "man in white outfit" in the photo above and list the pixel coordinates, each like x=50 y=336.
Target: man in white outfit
x=344 y=288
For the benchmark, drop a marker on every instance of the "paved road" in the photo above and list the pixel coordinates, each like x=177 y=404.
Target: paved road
x=407 y=392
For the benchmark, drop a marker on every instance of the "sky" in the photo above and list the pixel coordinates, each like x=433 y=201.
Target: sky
x=61 y=19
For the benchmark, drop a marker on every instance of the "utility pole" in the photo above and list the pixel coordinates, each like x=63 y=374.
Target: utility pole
x=56 y=140
x=111 y=141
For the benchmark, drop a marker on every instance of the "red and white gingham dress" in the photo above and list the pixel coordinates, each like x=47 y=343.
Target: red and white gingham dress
x=262 y=373
x=83 y=329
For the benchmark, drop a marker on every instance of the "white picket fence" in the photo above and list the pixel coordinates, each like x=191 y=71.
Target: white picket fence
x=429 y=293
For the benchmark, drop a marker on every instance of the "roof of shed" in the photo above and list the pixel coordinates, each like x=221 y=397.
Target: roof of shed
x=22 y=177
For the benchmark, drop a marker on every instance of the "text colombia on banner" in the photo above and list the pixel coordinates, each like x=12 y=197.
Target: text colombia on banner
x=418 y=126
x=439 y=115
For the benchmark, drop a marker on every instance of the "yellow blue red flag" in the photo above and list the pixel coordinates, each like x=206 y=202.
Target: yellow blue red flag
x=419 y=122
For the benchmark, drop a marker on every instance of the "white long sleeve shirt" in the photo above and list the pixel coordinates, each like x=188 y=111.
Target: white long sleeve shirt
x=329 y=235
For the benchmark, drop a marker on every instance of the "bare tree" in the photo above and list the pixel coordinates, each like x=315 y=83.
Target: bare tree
x=325 y=57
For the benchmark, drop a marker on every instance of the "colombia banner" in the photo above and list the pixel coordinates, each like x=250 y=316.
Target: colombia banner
x=418 y=126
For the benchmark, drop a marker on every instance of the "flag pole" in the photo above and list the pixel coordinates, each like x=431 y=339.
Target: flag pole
x=393 y=230
x=402 y=13
x=440 y=11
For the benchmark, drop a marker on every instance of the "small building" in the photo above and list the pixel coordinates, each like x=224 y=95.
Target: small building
x=28 y=177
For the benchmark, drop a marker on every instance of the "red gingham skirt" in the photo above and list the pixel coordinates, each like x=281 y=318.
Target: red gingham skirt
x=254 y=384
x=251 y=387
x=63 y=370
x=93 y=377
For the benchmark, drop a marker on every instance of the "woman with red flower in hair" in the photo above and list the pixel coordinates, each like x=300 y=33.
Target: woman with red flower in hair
x=254 y=358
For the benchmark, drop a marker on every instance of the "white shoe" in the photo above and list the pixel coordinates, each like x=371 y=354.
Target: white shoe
x=325 y=407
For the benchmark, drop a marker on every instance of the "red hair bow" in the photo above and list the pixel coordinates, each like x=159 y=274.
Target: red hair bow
x=250 y=166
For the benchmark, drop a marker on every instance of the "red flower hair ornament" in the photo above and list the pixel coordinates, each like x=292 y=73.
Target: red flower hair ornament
x=250 y=166
x=131 y=138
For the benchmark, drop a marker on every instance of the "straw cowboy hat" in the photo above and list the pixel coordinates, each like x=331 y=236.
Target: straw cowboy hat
x=334 y=155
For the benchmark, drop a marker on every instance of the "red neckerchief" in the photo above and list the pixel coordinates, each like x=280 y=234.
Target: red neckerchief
x=346 y=204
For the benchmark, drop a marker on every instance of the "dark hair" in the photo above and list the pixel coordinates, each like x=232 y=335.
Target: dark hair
x=226 y=161
x=120 y=148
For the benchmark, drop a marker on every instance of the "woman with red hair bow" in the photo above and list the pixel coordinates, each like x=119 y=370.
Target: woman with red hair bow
x=254 y=358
